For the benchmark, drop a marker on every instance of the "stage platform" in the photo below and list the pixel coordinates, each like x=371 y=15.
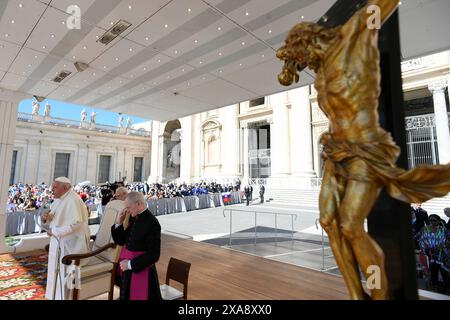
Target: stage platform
x=219 y=273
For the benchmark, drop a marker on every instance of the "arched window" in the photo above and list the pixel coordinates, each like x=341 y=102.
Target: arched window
x=213 y=151
x=211 y=140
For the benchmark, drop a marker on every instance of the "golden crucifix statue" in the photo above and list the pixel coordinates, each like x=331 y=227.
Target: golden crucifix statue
x=359 y=155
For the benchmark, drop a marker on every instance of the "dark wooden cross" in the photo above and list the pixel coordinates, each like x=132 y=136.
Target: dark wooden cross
x=390 y=220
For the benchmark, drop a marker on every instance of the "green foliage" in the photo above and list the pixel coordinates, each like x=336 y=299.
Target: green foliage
x=10 y=241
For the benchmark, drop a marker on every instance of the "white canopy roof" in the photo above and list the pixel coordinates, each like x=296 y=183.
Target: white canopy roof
x=178 y=57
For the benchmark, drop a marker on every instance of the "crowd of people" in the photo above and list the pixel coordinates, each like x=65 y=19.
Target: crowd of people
x=432 y=243
x=22 y=197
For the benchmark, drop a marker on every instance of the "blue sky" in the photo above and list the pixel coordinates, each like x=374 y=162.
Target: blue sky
x=73 y=111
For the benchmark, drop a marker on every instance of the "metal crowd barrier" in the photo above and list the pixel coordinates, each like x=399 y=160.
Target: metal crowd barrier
x=24 y=222
x=276 y=214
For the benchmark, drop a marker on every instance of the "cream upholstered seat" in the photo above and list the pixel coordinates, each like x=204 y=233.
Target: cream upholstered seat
x=97 y=276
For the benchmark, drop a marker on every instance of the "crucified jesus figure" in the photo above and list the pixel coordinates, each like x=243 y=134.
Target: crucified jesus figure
x=359 y=155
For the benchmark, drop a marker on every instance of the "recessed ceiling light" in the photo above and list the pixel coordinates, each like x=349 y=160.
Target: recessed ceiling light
x=52 y=35
x=111 y=23
x=131 y=49
x=220 y=53
x=196 y=41
x=84 y=47
x=240 y=64
x=129 y=7
x=1 y=46
x=262 y=56
x=104 y=67
x=93 y=74
x=220 y=71
x=13 y=21
x=182 y=70
x=303 y=17
x=145 y=68
x=166 y=26
x=200 y=62
x=20 y=5
x=29 y=65
x=168 y=77
x=270 y=31
x=73 y=57
x=96 y=37
x=189 y=10
x=65 y=65
x=117 y=59
x=43 y=47
x=159 y=60
x=120 y=81
x=146 y=38
x=63 y=22
x=6 y=35
x=246 y=13
x=219 y=28
x=176 y=51
x=188 y=84
x=243 y=43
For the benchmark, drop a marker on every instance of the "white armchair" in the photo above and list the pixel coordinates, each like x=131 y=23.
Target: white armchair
x=98 y=275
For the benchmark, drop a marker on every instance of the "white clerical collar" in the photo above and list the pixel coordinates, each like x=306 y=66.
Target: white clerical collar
x=142 y=211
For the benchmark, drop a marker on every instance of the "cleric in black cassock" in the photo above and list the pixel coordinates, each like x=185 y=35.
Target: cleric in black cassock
x=142 y=244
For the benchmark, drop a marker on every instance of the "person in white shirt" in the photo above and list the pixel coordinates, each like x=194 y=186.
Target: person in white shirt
x=67 y=223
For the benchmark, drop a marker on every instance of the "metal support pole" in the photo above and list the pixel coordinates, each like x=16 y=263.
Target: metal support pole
x=231 y=223
x=255 y=228
x=323 y=252
x=292 y=227
x=276 y=228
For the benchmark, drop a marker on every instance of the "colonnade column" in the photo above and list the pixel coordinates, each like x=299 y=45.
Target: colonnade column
x=301 y=143
x=230 y=133
x=186 y=149
x=9 y=103
x=245 y=171
x=441 y=120
x=279 y=142
x=155 y=154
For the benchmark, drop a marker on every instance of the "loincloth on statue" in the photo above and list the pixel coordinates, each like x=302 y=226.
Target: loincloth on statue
x=374 y=162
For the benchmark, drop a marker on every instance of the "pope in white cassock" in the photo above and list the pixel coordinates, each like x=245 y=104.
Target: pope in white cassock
x=68 y=224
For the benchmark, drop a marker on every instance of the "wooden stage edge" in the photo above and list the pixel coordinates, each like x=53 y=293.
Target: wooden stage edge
x=222 y=274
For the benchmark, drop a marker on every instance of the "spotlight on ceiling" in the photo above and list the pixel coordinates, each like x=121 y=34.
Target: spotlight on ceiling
x=80 y=66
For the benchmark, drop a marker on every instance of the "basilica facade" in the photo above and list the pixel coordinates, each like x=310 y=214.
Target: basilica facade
x=274 y=140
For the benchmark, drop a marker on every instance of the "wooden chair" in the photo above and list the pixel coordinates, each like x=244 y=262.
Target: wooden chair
x=178 y=271
x=98 y=275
